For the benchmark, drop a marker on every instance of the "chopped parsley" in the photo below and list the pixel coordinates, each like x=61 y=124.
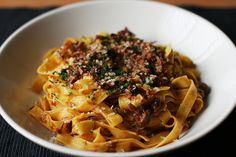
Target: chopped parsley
x=64 y=75
x=118 y=72
x=136 y=49
x=91 y=60
x=111 y=53
x=118 y=89
x=124 y=86
x=149 y=81
x=102 y=70
x=115 y=62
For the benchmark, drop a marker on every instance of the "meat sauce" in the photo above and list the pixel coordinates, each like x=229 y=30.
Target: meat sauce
x=119 y=63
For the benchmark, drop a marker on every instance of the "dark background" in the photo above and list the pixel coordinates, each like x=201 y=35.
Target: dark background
x=220 y=142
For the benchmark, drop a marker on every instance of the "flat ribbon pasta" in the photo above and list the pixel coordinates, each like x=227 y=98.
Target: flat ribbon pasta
x=116 y=93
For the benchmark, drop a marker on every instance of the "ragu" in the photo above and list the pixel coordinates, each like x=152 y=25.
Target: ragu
x=114 y=92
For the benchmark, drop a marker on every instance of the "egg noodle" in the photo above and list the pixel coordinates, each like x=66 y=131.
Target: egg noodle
x=116 y=93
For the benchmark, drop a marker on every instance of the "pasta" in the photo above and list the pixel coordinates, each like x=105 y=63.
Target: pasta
x=117 y=93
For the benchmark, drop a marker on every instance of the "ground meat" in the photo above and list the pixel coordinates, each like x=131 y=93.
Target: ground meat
x=118 y=63
x=117 y=59
x=138 y=118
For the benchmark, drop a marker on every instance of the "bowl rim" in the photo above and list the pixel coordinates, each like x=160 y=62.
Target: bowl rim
x=144 y=152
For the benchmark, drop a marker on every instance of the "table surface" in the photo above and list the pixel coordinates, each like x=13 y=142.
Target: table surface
x=46 y=3
x=221 y=140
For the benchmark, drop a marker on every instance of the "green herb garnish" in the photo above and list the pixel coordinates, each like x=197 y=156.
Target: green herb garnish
x=64 y=75
x=136 y=49
x=124 y=86
x=111 y=53
x=118 y=72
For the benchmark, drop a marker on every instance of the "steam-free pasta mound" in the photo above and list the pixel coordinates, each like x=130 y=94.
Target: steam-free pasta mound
x=117 y=93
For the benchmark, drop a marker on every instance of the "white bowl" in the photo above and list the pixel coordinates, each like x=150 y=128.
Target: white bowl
x=186 y=32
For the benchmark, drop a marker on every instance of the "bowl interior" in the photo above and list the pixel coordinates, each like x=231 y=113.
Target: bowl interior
x=187 y=33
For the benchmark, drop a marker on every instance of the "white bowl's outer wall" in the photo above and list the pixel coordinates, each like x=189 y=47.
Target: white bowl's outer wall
x=210 y=49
